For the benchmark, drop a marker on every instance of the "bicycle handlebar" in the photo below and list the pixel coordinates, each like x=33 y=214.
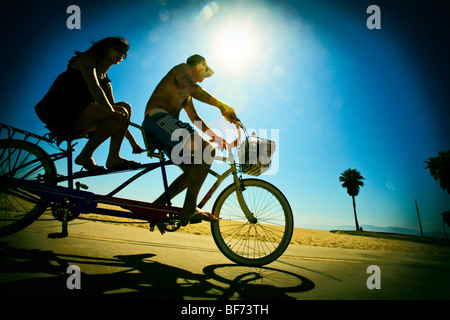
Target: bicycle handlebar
x=239 y=126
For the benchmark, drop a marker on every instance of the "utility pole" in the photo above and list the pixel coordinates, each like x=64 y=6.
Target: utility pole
x=445 y=232
x=418 y=216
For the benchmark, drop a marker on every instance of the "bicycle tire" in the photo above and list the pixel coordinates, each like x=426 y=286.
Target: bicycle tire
x=18 y=207
x=258 y=243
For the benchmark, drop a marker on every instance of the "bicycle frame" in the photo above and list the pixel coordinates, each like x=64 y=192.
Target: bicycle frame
x=87 y=201
x=30 y=184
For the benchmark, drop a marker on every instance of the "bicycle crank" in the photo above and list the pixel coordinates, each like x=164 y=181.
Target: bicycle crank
x=59 y=208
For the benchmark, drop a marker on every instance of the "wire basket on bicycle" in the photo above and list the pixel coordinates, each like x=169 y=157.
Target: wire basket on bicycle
x=255 y=155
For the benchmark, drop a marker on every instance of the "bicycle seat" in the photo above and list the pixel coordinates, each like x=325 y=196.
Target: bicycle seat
x=153 y=143
x=59 y=135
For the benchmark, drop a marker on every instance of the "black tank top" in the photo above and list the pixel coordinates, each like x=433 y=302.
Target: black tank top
x=67 y=98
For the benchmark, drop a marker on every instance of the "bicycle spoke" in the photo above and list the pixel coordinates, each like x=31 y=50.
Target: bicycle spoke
x=25 y=161
x=260 y=240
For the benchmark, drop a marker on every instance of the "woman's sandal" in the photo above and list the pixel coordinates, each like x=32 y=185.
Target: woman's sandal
x=126 y=164
x=90 y=166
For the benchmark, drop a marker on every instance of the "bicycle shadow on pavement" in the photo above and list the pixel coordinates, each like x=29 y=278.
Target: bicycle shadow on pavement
x=36 y=274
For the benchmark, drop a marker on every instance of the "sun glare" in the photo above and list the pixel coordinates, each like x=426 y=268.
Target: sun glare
x=235 y=45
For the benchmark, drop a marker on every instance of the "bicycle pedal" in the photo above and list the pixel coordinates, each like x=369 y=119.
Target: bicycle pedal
x=80 y=185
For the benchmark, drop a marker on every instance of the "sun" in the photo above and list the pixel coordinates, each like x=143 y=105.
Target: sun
x=236 y=45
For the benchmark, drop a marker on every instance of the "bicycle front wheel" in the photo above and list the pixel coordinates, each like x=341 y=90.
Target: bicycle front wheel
x=25 y=161
x=262 y=240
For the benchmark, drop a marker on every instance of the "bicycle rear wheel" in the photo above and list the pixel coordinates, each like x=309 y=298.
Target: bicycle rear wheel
x=26 y=161
x=258 y=242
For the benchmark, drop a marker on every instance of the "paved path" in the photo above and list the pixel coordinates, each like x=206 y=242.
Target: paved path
x=118 y=261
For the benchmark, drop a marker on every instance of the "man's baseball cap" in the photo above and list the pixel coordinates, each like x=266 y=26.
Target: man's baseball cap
x=195 y=59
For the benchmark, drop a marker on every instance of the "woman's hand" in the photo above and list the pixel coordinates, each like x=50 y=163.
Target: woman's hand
x=120 y=116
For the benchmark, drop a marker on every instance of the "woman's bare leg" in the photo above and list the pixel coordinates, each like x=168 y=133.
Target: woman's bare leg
x=97 y=119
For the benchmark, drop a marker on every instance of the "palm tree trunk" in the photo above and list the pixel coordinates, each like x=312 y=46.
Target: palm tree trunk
x=354 y=210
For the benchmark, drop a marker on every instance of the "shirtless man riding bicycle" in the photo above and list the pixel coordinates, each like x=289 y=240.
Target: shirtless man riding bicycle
x=174 y=93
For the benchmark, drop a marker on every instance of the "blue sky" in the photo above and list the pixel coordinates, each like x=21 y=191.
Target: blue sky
x=338 y=94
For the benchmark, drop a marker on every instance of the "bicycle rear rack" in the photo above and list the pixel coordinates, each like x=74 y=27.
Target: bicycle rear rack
x=12 y=132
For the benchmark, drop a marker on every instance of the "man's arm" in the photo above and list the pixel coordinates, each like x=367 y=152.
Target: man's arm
x=201 y=124
x=197 y=120
x=184 y=79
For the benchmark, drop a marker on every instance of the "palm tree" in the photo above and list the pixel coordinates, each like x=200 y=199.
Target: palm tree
x=351 y=179
x=440 y=169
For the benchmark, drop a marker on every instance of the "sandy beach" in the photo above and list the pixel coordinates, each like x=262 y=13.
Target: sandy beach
x=364 y=240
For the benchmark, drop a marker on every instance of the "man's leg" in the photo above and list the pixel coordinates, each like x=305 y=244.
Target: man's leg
x=189 y=144
x=196 y=177
x=192 y=178
x=194 y=174
x=176 y=187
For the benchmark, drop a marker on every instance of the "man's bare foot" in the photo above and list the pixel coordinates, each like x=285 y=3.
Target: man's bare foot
x=88 y=163
x=198 y=215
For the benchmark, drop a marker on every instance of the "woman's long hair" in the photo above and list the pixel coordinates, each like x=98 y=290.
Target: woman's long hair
x=100 y=48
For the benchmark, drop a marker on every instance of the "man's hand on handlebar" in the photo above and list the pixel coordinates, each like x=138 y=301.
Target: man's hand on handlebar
x=221 y=143
x=230 y=115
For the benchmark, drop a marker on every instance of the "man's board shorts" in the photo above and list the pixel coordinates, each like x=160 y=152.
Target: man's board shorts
x=170 y=130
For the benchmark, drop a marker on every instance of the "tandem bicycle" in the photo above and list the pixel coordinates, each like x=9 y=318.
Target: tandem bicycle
x=255 y=222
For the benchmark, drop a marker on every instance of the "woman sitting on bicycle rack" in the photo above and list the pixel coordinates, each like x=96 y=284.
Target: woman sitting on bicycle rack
x=174 y=93
x=80 y=101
